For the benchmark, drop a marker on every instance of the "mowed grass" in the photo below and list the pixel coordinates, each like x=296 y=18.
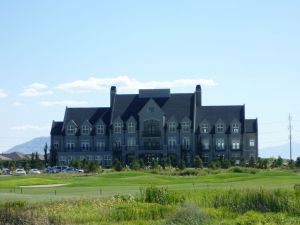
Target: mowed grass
x=129 y=182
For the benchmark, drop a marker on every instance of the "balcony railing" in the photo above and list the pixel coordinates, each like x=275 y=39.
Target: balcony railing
x=149 y=133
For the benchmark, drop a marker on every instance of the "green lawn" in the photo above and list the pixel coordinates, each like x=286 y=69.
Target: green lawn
x=128 y=182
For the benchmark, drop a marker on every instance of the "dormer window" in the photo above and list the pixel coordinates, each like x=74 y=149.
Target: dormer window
x=220 y=128
x=235 y=128
x=151 y=109
x=185 y=127
x=172 y=127
x=85 y=130
x=100 y=129
x=131 y=127
x=71 y=130
x=204 y=128
x=117 y=128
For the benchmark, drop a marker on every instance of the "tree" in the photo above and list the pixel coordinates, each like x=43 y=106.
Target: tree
x=135 y=164
x=181 y=165
x=92 y=166
x=225 y=164
x=154 y=164
x=142 y=163
x=252 y=162
x=198 y=162
x=46 y=155
x=117 y=165
x=297 y=163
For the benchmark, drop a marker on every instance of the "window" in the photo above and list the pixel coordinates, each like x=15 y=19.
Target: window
x=252 y=142
x=204 y=128
x=172 y=127
x=150 y=109
x=107 y=160
x=56 y=145
x=117 y=128
x=205 y=144
x=205 y=158
x=131 y=142
x=100 y=129
x=100 y=145
x=82 y=157
x=235 y=128
x=117 y=144
x=186 y=143
x=91 y=157
x=71 y=130
x=235 y=144
x=220 y=144
x=151 y=128
x=99 y=158
x=85 y=145
x=172 y=143
x=185 y=127
x=85 y=130
x=131 y=127
x=220 y=128
x=70 y=145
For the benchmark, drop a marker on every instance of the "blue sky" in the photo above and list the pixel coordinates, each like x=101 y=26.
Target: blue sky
x=58 y=53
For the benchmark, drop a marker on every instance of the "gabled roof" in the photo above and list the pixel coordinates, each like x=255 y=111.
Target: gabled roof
x=79 y=115
x=250 y=126
x=177 y=105
x=226 y=113
x=56 y=128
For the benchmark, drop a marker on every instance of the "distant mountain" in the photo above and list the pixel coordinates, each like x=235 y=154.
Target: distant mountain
x=34 y=145
x=282 y=150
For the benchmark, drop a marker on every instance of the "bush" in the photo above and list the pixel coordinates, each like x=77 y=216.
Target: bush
x=181 y=165
x=154 y=164
x=160 y=195
x=188 y=214
x=135 y=165
x=117 y=165
x=198 y=162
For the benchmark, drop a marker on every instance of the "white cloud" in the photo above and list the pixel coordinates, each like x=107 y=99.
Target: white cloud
x=128 y=83
x=17 y=104
x=2 y=94
x=36 y=89
x=28 y=127
x=63 y=103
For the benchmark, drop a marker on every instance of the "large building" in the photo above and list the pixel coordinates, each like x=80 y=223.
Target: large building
x=151 y=125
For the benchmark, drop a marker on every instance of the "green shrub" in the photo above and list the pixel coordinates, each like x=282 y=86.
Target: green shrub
x=188 y=214
x=117 y=165
x=160 y=195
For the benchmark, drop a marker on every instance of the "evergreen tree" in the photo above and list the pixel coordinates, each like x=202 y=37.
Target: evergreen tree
x=181 y=165
x=198 y=162
x=297 y=163
x=117 y=165
x=46 y=155
x=252 y=162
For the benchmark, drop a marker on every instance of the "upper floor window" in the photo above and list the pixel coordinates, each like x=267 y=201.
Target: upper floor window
x=85 y=130
x=185 y=127
x=252 y=142
x=117 y=128
x=151 y=109
x=172 y=143
x=205 y=144
x=220 y=128
x=100 y=145
x=220 y=144
x=131 y=127
x=100 y=129
x=235 y=144
x=85 y=145
x=71 y=130
x=70 y=145
x=235 y=128
x=186 y=143
x=56 y=145
x=131 y=142
x=172 y=127
x=204 y=128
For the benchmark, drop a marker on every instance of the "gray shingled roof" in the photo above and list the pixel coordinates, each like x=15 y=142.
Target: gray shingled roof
x=226 y=113
x=250 y=126
x=177 y=105
x=56 y=128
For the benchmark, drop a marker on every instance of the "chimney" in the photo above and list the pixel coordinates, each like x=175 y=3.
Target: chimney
x=113 y=92
x=198 y=96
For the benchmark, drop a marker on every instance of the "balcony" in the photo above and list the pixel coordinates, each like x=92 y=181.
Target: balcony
x=151 y=133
